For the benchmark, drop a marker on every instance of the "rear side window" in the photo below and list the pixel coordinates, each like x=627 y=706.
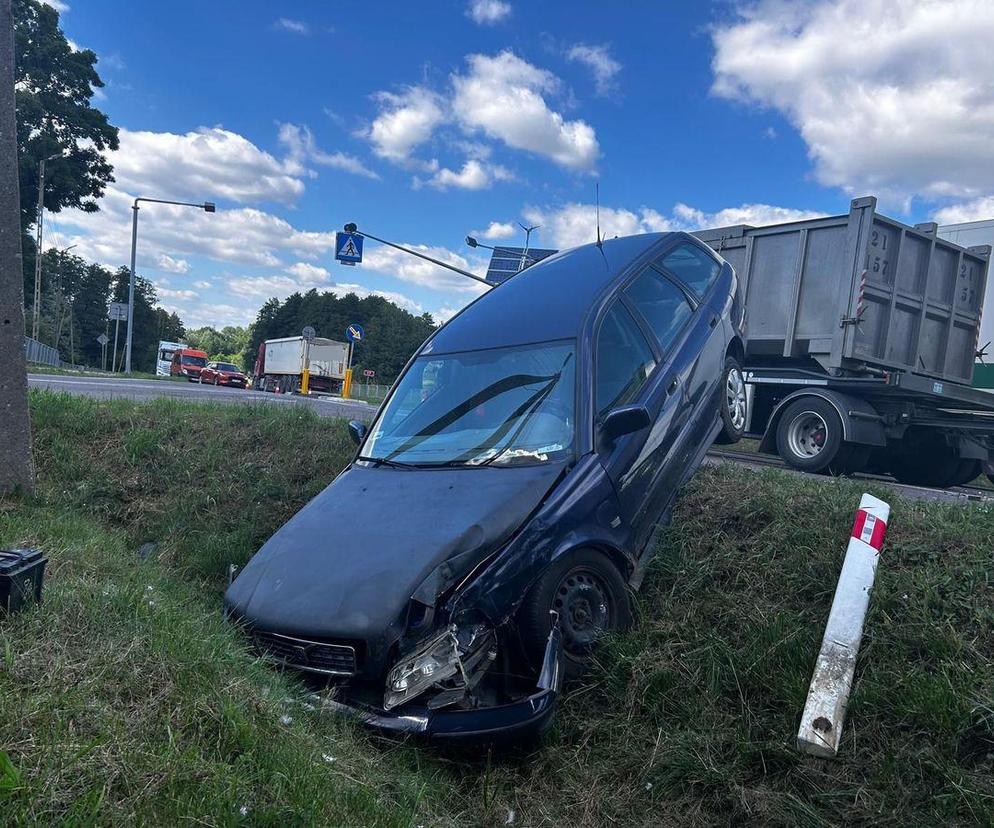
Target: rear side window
x=692 y=266
x=663 y=304
x=624 y=359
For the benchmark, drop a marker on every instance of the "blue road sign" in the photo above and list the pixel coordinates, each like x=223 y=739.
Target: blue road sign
x=348 y=248
x=355 y=333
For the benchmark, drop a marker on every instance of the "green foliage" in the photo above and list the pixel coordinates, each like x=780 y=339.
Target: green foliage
x=152 y=324
x=54 y=87
x=226 y=345
x=392 y=334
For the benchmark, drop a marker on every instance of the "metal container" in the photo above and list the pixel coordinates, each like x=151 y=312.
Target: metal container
x=969 y=234
x=21 y=574
x=286 y=356
x=858 y=290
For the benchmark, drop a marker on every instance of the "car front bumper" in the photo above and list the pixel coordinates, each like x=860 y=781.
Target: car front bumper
x=518 y=720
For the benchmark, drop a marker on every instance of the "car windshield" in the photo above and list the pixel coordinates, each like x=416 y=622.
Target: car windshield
x=194 y=360
x=227 y=366
x=502 y=406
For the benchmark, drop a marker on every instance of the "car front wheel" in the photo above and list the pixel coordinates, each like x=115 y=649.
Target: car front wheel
x=733 y=403
x=587 y=592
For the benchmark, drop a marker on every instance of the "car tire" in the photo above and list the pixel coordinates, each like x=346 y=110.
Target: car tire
x=733 y=403
x=591 y=597
x=809 y=437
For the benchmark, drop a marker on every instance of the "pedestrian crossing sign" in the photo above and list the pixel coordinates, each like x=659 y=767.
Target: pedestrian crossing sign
x=348 y=248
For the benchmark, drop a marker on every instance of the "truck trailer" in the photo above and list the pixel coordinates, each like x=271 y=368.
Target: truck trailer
x=279 y=364
x=860 y=337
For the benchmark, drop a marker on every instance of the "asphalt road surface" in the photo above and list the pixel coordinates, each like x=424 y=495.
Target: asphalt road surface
x=145 y=389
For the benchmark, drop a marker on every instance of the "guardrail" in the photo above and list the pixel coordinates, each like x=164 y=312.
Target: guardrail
x=40 y=354
x=35 y=351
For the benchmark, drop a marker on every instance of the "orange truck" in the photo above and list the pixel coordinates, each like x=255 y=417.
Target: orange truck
x=188 y=362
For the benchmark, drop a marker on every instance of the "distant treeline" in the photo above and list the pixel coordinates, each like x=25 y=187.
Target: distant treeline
x=392 y=333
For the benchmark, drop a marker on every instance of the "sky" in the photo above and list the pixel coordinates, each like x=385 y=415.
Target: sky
x=425 y=122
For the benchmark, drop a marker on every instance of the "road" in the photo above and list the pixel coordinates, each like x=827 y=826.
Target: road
x=145 y=389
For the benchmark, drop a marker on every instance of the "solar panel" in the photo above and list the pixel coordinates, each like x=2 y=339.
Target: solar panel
x=506 y=261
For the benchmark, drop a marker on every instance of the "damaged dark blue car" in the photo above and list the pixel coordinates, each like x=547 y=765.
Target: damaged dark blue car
x=505 y=500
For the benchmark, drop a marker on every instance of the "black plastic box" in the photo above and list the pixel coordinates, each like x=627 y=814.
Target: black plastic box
x=21 y=575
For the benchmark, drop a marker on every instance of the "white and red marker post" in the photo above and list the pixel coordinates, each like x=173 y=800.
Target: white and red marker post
x=825 y=710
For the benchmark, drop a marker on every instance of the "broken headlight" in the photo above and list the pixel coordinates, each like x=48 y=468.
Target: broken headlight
x=453 y=662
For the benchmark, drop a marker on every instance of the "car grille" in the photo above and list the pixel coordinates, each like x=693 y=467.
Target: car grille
x=302 y=654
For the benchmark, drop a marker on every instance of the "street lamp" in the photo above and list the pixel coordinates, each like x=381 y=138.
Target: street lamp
x=207 y=207
x=474 y=243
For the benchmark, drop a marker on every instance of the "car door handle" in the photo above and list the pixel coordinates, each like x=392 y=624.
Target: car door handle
x=714 y=321
x=671 y=388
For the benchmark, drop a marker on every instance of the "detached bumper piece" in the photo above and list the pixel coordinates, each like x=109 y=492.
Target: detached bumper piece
x=526 y=717
x=21 y=574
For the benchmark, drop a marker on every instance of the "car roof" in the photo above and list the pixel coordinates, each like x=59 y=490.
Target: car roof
x=549 y=300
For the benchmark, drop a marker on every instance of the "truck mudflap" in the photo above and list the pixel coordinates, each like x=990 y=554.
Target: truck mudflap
x=515 y=721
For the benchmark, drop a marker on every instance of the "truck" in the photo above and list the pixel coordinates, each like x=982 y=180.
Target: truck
x=164 y=356
x=860 y=337
x=279 y=364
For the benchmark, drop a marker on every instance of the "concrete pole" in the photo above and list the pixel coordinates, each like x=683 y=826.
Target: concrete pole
x=16 y=464
x=131 y=290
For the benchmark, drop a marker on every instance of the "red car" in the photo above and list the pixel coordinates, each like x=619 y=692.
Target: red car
x=223 y=373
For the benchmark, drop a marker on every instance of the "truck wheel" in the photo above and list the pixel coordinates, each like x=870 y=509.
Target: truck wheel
x=809 y=437
x=587 y=591
x=733 y=403
x=924 y=459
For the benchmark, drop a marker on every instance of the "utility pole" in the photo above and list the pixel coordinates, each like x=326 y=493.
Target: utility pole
x=16 y=465
x=39 y=238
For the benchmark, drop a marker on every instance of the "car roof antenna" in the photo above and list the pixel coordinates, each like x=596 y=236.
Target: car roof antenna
x=597 y=190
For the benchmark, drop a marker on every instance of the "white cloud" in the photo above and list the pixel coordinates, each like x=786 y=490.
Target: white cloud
x=487 y=12
x=979 y=209
x=309 y=274
x=166 y=293
x=406 y=120
x=202 y=284
x=474 y=175
x=398 y=299
x=286 y=24
x=600 y=62
x=237 y=236
x=503 y=96
x=444 y=314
x=171 y=265
x=575 y=224
x=209 y=163
x=302 y=148
x=408 y=268
x=891 y=96
x=215 y=315
x=58 y=5
x=497 y=230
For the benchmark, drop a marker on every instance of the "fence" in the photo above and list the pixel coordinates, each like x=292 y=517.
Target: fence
x=39 y=354
x=372 y=392
x=34 y=351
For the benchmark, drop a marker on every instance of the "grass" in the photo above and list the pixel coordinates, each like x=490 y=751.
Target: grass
x=124 y=698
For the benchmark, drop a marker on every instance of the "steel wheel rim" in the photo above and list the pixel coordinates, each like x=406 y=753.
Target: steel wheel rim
x=583 y=602
x=735 y=398
x=807 y=435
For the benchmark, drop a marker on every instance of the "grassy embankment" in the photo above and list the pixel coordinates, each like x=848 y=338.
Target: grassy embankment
x=125 y=698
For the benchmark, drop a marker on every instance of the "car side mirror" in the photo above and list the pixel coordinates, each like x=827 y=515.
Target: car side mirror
x=625 y=420
x=357 y=430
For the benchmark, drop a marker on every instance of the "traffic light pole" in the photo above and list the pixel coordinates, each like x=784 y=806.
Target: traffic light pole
x=351 y=228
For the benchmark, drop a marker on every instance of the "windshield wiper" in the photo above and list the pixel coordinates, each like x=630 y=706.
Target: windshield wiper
x=385 y=461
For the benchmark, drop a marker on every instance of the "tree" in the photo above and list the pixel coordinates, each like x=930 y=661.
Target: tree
x=148 y=321
x=89 y=307
x=392 y=334
x=225 y=345
x=16 y=464
x=54 y=86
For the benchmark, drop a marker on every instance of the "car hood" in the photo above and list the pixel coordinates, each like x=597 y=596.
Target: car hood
x=346 y=565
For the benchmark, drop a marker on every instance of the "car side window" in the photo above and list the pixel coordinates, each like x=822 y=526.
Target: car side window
x=662 y=303
x=624 y=359
x=692 y=266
